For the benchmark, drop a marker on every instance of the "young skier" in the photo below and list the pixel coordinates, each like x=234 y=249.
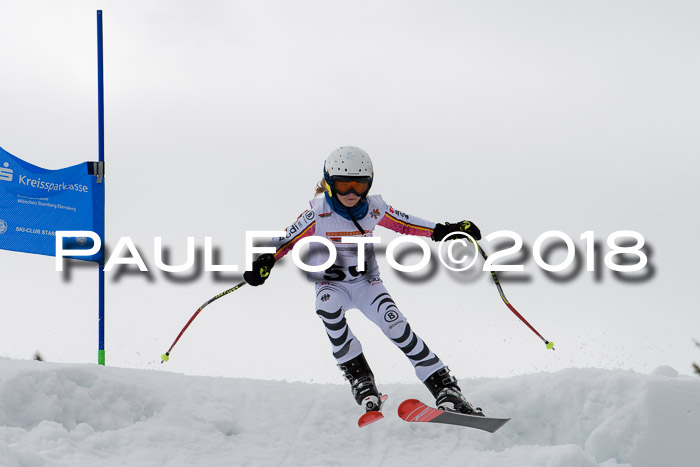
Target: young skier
x=347 y=212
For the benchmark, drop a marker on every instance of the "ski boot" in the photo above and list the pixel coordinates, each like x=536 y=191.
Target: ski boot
x=448 y=396
x=361 y=379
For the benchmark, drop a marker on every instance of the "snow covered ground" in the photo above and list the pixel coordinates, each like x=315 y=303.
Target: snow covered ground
x=85 y=415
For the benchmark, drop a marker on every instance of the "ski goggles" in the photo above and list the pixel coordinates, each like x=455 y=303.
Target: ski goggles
x=345 y=185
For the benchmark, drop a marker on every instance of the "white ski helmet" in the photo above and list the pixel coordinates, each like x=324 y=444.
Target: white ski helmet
x=348 y=161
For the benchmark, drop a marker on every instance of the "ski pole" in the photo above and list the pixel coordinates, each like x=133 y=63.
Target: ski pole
x=166 y=356
x=549 y=344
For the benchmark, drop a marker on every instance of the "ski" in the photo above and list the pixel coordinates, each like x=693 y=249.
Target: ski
x=373 y=415
x=413 y=410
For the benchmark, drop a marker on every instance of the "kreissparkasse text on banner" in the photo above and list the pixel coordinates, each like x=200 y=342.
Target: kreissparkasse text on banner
x=37 y=202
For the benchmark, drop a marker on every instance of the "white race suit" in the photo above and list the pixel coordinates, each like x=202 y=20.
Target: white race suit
x=344 y=286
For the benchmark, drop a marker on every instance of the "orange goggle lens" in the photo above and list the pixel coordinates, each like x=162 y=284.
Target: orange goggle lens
x=343 y=187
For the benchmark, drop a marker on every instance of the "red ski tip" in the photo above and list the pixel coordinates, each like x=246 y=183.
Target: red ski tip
x=369 y=417
x=413 y=410
x=373 y=416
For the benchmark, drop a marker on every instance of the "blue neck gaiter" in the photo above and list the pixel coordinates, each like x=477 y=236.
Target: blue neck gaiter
x=358 y=211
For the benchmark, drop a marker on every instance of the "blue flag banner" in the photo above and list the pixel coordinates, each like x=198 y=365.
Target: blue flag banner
x=36 y=202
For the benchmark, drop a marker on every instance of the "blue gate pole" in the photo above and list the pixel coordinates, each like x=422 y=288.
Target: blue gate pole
x=101 y=131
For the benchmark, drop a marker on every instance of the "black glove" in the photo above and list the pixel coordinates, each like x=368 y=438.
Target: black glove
x=442 y=230
x=261 y=270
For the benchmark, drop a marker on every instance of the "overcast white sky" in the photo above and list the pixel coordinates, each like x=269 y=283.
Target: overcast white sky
x=536 y=116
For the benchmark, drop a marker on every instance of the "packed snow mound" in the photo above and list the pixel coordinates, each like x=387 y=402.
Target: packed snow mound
x=85 y=415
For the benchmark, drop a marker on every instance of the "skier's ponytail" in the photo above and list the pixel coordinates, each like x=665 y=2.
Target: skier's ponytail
x=321 y=187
